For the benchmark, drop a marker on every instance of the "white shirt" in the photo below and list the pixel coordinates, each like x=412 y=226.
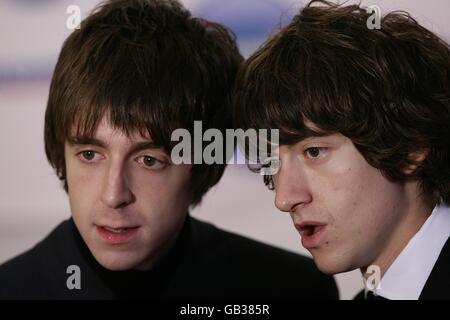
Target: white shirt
x=406 y=277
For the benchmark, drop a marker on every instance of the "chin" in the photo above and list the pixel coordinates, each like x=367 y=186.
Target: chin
x=331 y=265
x=117 y=261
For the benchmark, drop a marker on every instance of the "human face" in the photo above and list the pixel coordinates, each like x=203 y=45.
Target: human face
x=129 y=186
x=346 y=211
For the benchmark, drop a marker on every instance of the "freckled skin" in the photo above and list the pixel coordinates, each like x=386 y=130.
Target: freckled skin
x=116 y=188
x=368 y=217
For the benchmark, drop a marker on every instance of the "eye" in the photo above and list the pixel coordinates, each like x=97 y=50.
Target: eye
x=88 y=155
x=315 y=152
x=151 y=162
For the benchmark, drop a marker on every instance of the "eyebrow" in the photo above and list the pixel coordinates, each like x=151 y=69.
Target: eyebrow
x=143 y=145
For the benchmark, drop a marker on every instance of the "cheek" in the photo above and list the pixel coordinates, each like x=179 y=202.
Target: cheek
x=353 y=185
x=164 y=192
x=84 y=188
x=361 y=204
x=341 y=197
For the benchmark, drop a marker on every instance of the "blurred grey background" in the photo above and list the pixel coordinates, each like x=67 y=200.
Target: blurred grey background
x=31 y=199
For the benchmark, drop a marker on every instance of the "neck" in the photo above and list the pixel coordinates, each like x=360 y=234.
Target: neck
x=416 y=211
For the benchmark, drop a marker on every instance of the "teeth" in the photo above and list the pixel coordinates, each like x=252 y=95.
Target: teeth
x=115 y=230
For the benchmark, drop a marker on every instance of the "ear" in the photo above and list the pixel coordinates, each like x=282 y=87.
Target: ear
x=416 y=158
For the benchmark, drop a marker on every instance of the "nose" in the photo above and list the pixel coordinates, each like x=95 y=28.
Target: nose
x=116 y=192
x=291 y=189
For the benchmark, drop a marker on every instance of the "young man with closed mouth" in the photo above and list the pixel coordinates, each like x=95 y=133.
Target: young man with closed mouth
x=135 y=71
x=364 y=158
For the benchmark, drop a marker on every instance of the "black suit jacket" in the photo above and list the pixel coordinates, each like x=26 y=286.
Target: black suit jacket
x=206 y=263
x=437 y=286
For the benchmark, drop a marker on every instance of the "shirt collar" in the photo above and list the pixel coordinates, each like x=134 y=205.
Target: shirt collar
x=409 y=272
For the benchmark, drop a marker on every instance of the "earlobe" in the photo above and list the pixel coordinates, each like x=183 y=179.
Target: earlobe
x=415 y=159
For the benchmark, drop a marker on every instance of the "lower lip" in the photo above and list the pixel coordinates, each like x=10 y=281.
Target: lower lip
x=117 y=238
x=313 y=240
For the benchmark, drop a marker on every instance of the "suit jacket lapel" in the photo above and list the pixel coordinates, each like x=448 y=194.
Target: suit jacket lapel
x=438 y=284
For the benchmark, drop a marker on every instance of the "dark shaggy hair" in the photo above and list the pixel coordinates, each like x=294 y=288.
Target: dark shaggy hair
x=150 y=66
x=386 y=89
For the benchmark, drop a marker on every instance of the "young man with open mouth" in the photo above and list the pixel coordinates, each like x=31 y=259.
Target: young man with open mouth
x=364 y=159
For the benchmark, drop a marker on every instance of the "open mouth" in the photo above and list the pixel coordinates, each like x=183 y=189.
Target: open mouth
x=311 y=233
x=308 y=230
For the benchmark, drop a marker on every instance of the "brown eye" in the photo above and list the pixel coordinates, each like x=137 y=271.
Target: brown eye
x=88 y=155
x=149 y=161
x=313 y=152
